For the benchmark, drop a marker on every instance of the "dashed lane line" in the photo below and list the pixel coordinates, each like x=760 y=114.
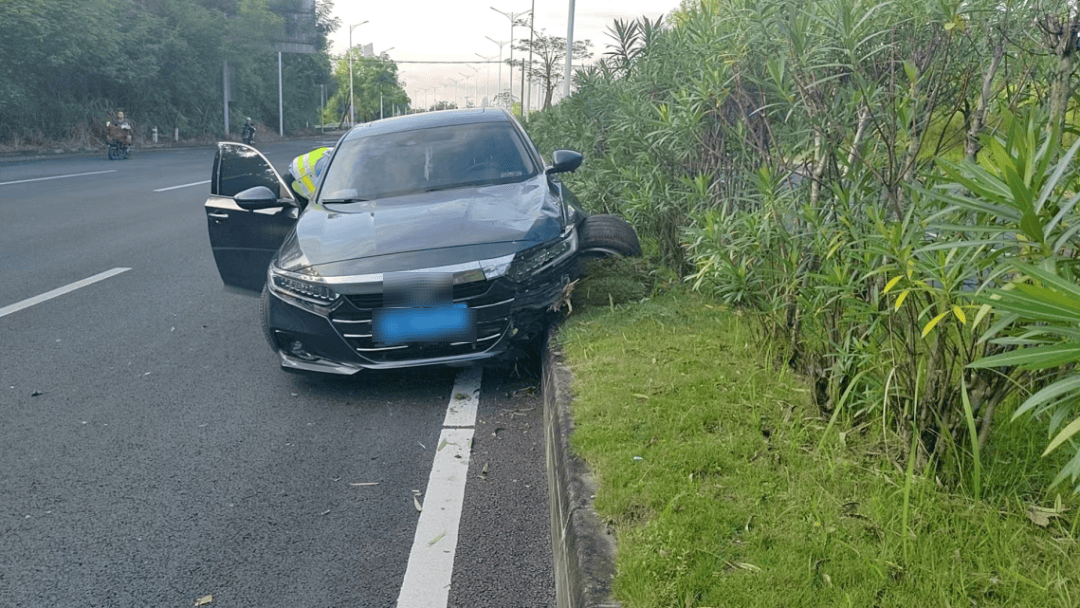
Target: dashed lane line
x=431 y=561
x=182 y=186
x=41 y=179
x=27 y=303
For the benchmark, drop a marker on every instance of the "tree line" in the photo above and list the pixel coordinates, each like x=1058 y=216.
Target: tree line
x=68 y=64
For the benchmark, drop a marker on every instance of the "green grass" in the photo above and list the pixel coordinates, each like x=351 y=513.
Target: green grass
x=709 y=471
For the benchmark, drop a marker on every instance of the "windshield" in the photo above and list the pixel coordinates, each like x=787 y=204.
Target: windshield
x=439 y=158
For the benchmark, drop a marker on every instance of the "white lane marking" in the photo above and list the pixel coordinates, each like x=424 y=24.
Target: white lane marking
x=7 y=310
x=465 y=398
x=182 y=186
x=41 y=179
x=431 y=561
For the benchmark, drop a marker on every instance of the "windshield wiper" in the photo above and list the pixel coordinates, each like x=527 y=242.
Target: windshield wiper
x=327 y=201
x=446 y=187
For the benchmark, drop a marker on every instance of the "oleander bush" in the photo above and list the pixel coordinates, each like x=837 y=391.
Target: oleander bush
x=886 y=191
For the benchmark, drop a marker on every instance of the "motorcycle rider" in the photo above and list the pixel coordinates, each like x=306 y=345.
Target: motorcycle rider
x=119 y=132
x=247 y=134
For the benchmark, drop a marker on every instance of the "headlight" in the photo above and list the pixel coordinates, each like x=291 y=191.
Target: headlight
x=291 y=285
x=528 y=263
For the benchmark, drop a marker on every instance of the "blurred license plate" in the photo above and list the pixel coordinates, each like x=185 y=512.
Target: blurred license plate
x=455 y=323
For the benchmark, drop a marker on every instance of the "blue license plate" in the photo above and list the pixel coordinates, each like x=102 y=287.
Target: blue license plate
x=453 y=323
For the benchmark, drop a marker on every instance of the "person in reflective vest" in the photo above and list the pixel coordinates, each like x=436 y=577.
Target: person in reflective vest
x=305 y=170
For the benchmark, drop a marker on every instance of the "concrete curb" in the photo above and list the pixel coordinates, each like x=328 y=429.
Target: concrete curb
x=583 y=548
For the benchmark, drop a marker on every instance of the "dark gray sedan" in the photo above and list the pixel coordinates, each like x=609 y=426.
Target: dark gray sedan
x=432 y=239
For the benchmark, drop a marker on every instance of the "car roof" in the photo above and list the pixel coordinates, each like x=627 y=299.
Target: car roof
x=427 y=120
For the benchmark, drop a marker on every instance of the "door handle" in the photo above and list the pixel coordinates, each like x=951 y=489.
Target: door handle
x=217 y=215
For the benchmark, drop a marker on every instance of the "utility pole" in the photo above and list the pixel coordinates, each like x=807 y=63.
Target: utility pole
x=513 y=21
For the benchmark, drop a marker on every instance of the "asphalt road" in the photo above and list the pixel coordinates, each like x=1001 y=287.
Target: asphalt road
x=152 y=453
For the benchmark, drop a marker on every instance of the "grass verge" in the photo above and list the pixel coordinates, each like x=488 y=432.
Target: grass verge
x=709 y=471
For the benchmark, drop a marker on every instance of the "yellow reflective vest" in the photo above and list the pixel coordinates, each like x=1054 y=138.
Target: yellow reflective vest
x=305 y=171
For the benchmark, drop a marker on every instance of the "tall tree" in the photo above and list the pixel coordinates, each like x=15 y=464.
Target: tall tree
x=376 y=87
x=549 y=55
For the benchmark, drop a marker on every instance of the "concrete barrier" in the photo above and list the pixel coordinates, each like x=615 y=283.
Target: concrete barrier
x=583 y=547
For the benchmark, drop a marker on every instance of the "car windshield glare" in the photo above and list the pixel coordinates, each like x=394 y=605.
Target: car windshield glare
x=424 y=160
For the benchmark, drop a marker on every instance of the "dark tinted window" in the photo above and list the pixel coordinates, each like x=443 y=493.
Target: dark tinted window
x=238 y=168
x=439 y=158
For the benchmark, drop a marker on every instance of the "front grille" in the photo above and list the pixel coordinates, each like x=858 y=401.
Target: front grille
x=492 y=304
x=462 y=292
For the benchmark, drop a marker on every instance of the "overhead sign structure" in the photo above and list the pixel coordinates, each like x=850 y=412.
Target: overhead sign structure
x=300 y=37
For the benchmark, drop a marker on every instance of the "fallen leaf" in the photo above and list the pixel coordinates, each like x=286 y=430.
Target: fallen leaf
x=1041 y=516
x=204 y=600
x=436 y=539
x=365 y=483
x=416 y=503
x=745 y=566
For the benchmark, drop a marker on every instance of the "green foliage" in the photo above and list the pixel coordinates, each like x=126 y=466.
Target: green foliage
x=804 y=162
x=68 y=64
x=699 y=445
x=375 y=86
x=1020 y=205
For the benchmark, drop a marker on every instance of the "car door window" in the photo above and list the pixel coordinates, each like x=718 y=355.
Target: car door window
x=237 y=168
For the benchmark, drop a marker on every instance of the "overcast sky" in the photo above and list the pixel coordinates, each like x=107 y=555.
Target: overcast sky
x=444 y=30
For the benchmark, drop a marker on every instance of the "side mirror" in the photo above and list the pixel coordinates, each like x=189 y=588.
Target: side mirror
x=565 y=160
x=258 y=197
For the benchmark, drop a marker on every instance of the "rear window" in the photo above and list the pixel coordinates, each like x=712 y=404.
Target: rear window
x=439 y=158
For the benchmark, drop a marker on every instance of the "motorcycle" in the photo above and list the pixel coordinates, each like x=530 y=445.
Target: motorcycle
x=118 y=150
x=248 y=135
x=118 y=140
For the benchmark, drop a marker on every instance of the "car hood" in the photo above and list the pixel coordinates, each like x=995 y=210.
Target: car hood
x=423 y=230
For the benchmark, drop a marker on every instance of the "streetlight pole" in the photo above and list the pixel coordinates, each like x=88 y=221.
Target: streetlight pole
x=455 y=91
x=569 y=50
x=513 y=17
x=465 y=78
x=487 y=83
x=500 y=43
x=352 y=106
x=476 y=83
x=524 y=99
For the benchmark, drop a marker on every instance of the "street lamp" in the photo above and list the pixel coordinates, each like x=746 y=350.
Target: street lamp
x=500 y=43
x=513 y=17
x=352 y=107
x=487 y=84
x=569 y=50
x=476 y=83
x=465 y=78
x=455 y=91
x=524 y=96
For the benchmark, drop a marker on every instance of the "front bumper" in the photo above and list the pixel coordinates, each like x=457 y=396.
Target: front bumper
x=338 y=340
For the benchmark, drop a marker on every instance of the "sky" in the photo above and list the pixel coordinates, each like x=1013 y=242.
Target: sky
x=455 y=30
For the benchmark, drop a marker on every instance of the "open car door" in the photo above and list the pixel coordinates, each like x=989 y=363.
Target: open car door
x=244 y=240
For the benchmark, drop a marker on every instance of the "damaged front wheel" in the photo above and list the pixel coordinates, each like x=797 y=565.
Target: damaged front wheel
x=604 y=236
